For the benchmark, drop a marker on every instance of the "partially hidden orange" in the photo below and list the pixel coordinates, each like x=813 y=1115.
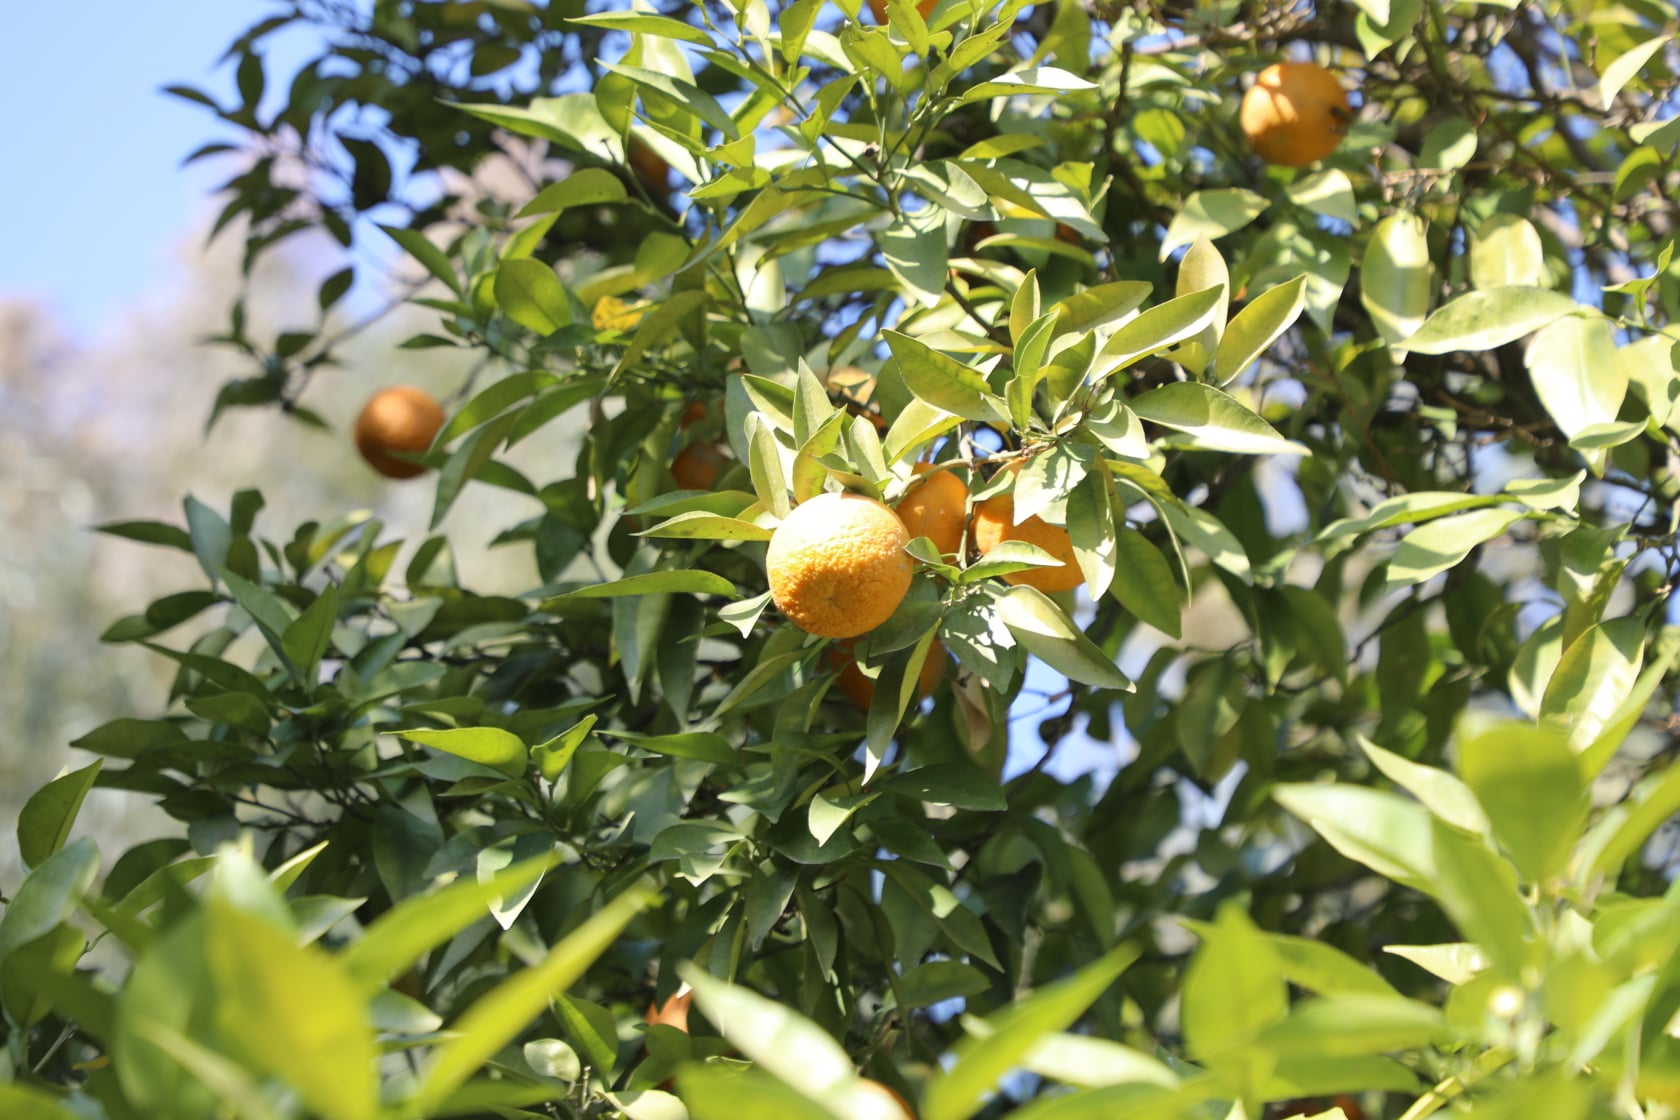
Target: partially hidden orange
x=860 y=690
x=698 y=465
x=1295 y=113
x=673 y=1012
x=395 y=421
x=936 y=508
x=994 y=523
x=837 y=565
x=879 y=9
x=650 y=167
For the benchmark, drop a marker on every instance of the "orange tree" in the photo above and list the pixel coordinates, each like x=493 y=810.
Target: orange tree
x=1340 y=782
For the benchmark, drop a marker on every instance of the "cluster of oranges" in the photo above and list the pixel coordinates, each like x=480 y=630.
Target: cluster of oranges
x=838 y=566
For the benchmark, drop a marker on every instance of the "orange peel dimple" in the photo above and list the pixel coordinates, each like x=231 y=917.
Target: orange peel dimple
x=837 y=565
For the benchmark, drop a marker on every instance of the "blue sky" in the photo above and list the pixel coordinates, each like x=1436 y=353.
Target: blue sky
x=95 y=197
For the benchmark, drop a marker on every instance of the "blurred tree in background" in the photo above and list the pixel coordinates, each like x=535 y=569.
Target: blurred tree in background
x=1288 y=735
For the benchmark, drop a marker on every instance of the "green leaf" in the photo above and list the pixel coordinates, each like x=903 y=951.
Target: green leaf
x=1595 y=676
x=690 y=97
x=1413 y=508
x=1198 y=527
x=1396 y=280
x=1385 y=832
x=1202 y=268
x=1576 y=372
x=698 y=525
x=1144 y=584
x=1164 y=325
x=1627 y=66
x=307 y=637
x=591 y=1028
x=764 y=464
x=1041 y=627
x=1450 y=144
x=957 y=784
x=980 y=1062
x=685 y=582
x=1629 y=824
x=494 y=400
x=1099 y=306
x=1456 y=963
x=1507 y=251
x=935 y=981
x=1211 y=420
x=1328 y=192
x=44 y=823
x=418 y=246
x=1443 y=794
x=532 y=296
x=487 y=746
x=553 y=755
x=149 y=532
x=48 y=896
x=20 y=1102
x=1478 y=890
x=719 y=1092
x=945 y=383
x=1323 y=969
x=703 y=746
x=1353 y=1026
x=1233 y=990
x=211 y=536
x=1211 y=214
x=498 y=1016
x=1489 y=318
x=1528 y=781
x=643 y=23
x=292 y=1011
x=1253 y=330
x=785 y=1044
x=1433 y=548
x=913 y=248
x=1077 y=1059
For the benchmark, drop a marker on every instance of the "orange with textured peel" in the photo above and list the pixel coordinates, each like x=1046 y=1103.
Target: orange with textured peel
x=1295 y=113
x=936 y=508
x=402 y=420
x=994 y=523
x=837 y=565
x=698 y=465
x=860 y=690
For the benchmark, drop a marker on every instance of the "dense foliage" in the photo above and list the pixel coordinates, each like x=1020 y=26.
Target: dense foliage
x=1332 y=789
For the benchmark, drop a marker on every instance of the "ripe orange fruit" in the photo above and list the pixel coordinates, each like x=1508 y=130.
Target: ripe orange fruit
x=879 y=9
x=994 y=523
x=891 y=1104
x=936 y=508
x=860 y=690
x=1295 y=113
x=837 y=565
x=698 y=465
x=650 y=167
x=399 y=419
x=673 y=1012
